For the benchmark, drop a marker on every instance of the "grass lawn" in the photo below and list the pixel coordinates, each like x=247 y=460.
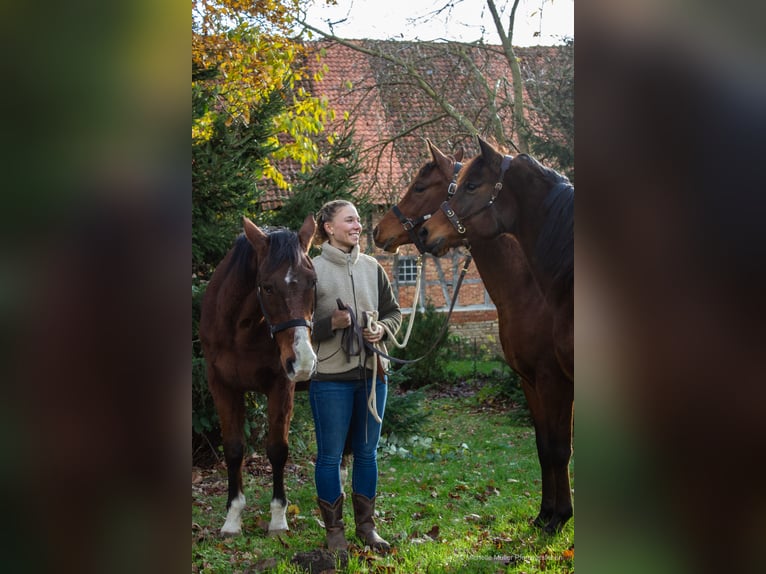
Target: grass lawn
x=458 y=498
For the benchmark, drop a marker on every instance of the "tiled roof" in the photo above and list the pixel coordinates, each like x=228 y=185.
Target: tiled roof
x=393 y=116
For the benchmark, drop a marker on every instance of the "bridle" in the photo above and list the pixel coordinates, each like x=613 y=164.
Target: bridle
x=410 y=224
x=453 y=217
x=274 y=329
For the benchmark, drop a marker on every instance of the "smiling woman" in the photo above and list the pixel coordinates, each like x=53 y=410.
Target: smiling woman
x=347 y=398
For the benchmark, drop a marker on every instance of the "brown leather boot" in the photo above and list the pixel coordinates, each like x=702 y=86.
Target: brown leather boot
x=364 y=516
x=332 y=515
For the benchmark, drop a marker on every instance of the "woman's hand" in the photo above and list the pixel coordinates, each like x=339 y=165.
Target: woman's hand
x=373 y=336
x=340 y=319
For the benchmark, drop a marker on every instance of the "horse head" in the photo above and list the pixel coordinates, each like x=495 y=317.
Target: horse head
x=399 y=226
x=472 y=209
x=286 y=283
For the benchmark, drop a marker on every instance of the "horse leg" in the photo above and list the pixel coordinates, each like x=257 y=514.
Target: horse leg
x=563 y=336
x=230 y=406
x=280 y=409
x=559 y=408
x=548 y=497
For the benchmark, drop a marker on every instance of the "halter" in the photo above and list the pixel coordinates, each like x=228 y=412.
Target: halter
x=274 y=329
x=410 y=224
x=453 y=217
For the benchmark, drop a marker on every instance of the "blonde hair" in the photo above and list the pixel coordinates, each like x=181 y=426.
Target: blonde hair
x=325 y=215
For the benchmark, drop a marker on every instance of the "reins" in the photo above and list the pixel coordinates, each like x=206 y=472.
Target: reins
x=356 y=340
x=352 y=339
x=409 y=226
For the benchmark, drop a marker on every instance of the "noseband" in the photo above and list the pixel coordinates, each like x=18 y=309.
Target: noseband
x=410 y=224
x=453 y=217
x=274 y=329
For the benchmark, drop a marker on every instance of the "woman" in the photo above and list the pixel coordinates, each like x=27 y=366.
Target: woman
x=344 y=400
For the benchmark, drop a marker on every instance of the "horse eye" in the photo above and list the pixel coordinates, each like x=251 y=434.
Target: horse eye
x=268 y=289
x=471 y=187
x=419 y=188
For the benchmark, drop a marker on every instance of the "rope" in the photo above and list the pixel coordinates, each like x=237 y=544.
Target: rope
x=352 y=340
x=406 y=339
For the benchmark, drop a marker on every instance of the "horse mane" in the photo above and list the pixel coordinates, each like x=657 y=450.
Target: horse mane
x=555 y=244
x=284 y=246
x=241 y=258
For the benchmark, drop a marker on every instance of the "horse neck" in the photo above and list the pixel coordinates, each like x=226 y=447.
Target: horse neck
x=505 y=271
x=526 y=227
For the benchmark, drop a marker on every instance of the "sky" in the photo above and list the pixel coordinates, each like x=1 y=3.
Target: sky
x=398 y=19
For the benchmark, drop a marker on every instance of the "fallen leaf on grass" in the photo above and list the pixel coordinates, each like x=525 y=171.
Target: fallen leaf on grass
x=434 y=532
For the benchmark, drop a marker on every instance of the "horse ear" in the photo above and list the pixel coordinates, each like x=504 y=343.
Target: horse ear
x=459 y=154
x=307 y=230
x=444 y=163
x=431 y=148
x=257 y=238
x=486 y=149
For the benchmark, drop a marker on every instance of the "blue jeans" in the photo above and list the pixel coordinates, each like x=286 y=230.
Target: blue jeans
x=339 y=408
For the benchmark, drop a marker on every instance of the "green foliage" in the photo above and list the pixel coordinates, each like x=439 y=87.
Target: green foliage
x=336 y=177
x=405 y=415
x=430 y=369
x=225 y=169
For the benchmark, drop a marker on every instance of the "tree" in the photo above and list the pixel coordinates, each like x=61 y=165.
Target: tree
x=335 y=178
x=550 y=87
x=242 y=56
x=226 y=166
x=508 y=113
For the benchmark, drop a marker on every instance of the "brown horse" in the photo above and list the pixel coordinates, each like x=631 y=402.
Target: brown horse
x=255 y=330
x=525 y=324
x=499 y=194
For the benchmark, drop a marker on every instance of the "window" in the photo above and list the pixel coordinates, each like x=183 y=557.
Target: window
x=407 y=270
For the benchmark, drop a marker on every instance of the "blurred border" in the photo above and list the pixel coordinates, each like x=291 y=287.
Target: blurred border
x=94 y=298
x=671 y=271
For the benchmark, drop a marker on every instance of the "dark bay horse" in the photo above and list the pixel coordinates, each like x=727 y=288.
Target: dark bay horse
x=498 y=194
x=255 y=329
x=525 y=324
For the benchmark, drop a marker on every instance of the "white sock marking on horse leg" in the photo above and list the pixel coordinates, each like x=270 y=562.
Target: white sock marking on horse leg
x=278 y=517
x=233 y=524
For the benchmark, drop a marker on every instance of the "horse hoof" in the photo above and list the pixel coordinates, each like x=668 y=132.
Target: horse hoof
x=542 y=519
x=230 y=533
x=274 y=533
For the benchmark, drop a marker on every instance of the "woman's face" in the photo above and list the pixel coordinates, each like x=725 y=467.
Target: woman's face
x=345 y=229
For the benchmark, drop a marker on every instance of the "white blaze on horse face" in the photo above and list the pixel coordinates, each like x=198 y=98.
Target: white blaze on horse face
x=305 y=358
x=278 y=517
x=233 y=524
x=289 y=277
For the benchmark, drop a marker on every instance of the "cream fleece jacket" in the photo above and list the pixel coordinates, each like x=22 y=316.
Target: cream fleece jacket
x=359 y=281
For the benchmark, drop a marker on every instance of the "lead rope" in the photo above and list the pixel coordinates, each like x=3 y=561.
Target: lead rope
x=372 y=399
x=376 y=327
x=414 y=309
